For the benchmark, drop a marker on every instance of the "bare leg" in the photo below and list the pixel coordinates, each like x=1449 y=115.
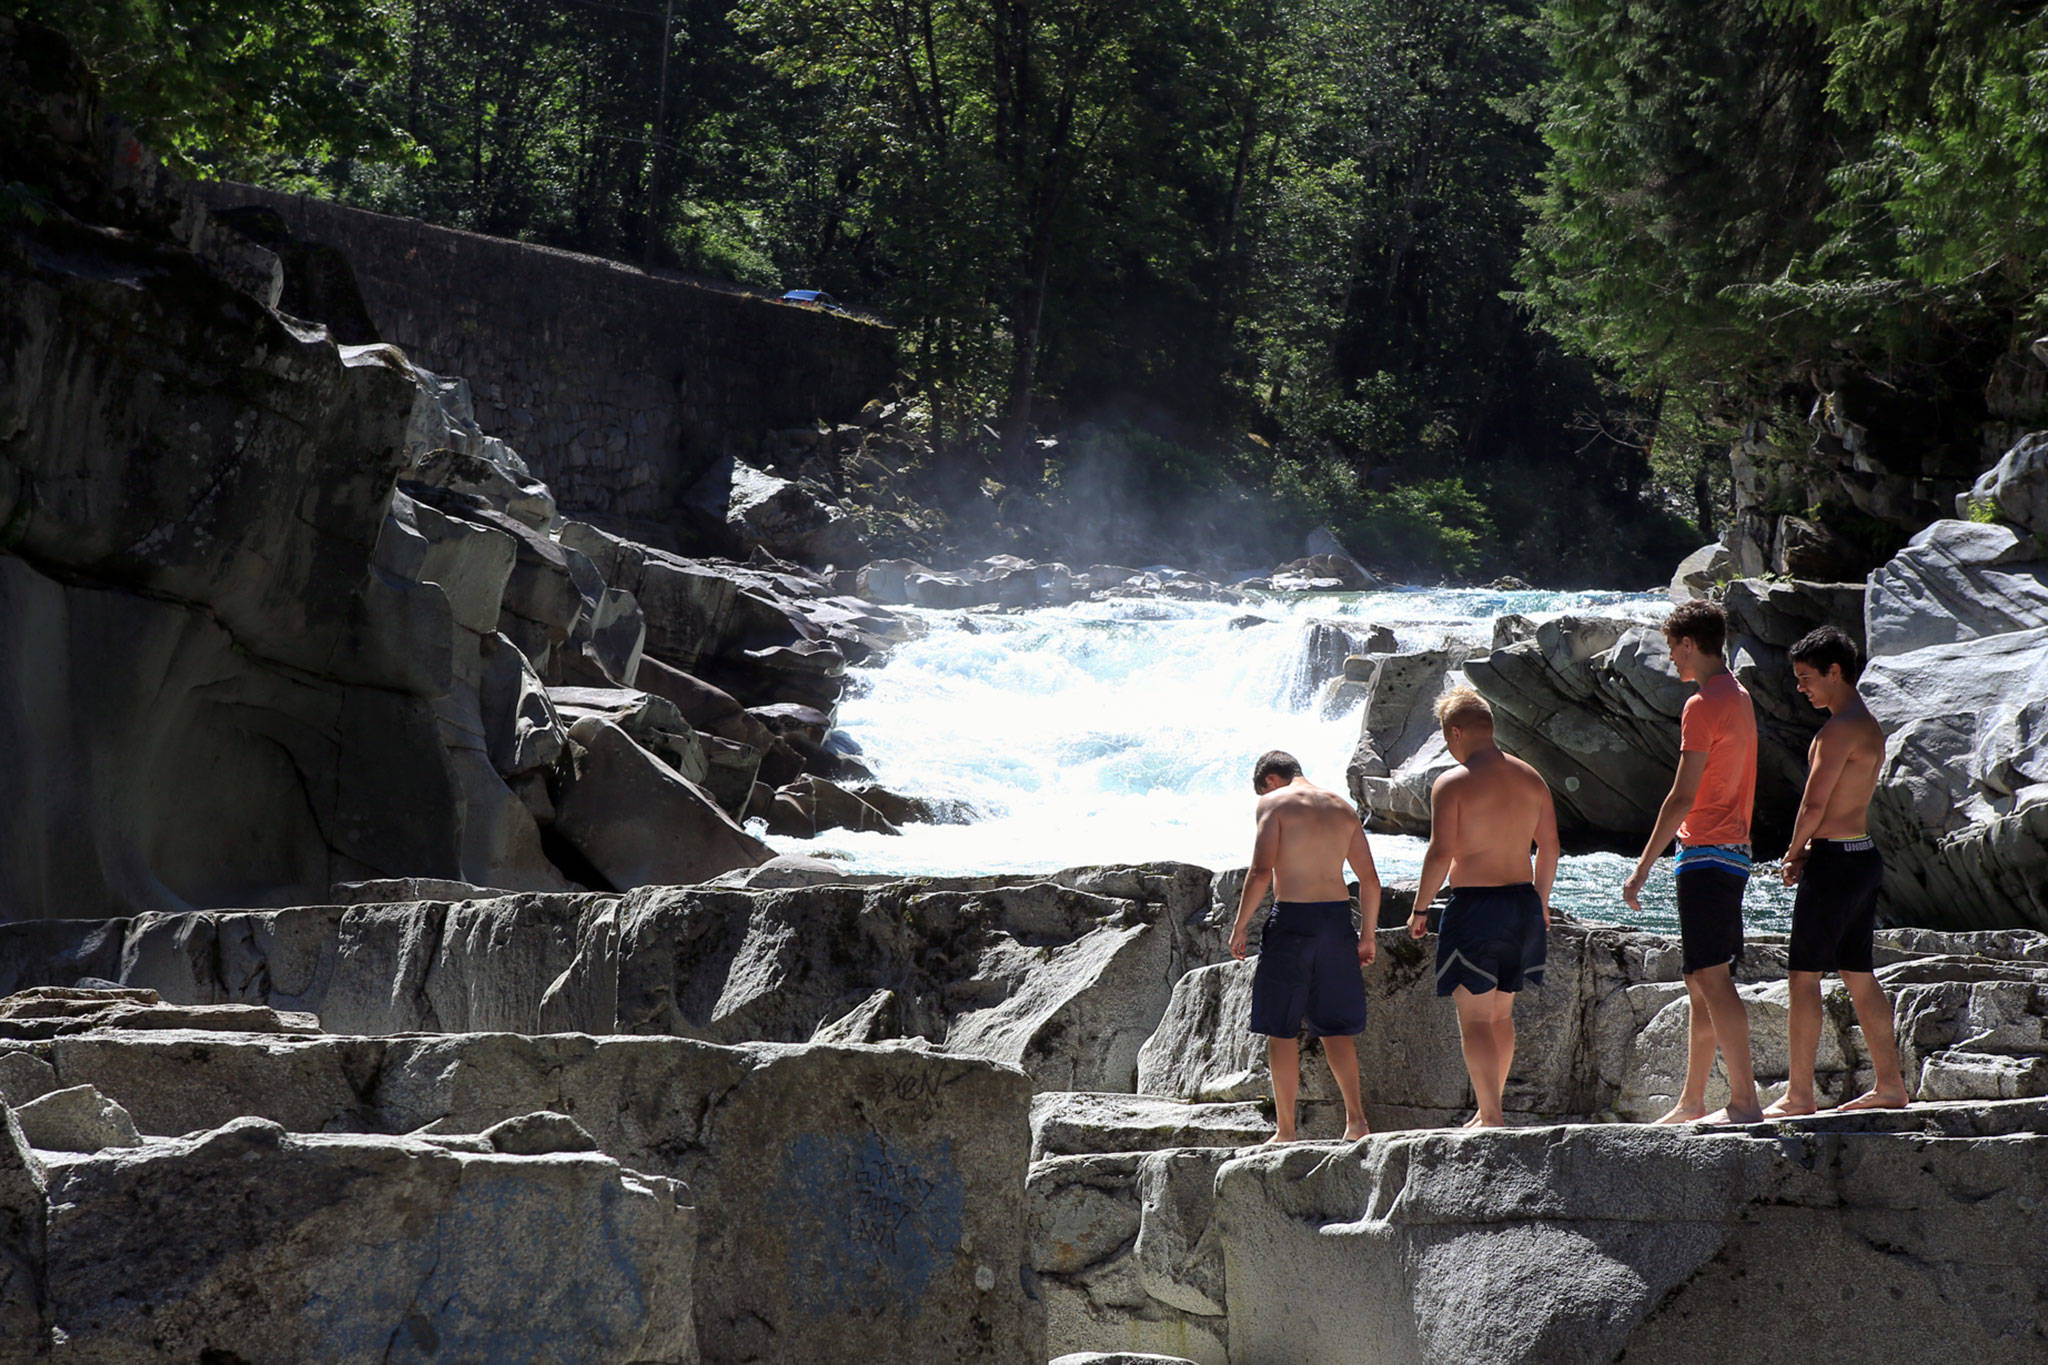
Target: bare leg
x=1874 y=1012
x=1482 y=1055
x=1804 y=1041
x=1342 y=1055
x=1730 y=1020
x=1283 y=1059
x=1699 y=1057
x=1504 y=1038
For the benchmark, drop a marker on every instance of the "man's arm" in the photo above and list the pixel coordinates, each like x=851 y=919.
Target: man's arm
x=1826 y=760
x=1359 y=855
x=1265 y=856
x=1436 y=862
x=1547 y=848
x=1685 y=786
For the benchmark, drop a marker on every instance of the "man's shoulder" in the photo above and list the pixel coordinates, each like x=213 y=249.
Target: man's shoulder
x=1724 y=697
x=1856 y=730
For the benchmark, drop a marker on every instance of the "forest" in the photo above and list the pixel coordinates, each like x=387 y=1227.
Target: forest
x=1487 y=285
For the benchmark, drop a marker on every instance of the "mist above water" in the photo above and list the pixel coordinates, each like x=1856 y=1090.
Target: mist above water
x=1125 y=731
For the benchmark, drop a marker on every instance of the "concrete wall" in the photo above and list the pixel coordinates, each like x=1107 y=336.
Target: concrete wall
x=618 y=387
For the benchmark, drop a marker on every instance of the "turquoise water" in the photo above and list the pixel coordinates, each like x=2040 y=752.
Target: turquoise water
x=1125 y=731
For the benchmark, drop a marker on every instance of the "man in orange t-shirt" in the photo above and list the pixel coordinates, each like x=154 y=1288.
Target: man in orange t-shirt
x=1708 y=809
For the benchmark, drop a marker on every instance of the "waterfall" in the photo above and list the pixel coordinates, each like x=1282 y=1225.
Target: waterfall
x=1125 y=731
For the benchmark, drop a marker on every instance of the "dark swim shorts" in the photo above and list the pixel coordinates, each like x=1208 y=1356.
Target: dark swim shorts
x=1308 y=972
x=1709 y=893
x=1491 y=938
x=1834 y=913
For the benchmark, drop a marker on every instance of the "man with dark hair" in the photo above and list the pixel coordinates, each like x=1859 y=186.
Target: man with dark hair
x=1838 y=871
x=1484 y=816
x=1309 y=960
x=1708 y=808
x=1274 y=763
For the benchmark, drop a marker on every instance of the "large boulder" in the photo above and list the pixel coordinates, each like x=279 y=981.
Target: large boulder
x=1958 y=677
x=1699 y=573
x=1651 y=1241
x=639 y=822
x=854 y=1203
x=1400 y=750
x=250 y=1243
x=2016 y=488
x=1593 y=704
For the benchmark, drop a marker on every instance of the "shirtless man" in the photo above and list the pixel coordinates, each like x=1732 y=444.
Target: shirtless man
x=1483 y=816
x=1309 y=962
x=1838 y=871
x=1708 y=808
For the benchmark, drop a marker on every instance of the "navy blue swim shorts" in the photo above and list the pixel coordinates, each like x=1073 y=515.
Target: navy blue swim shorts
x=1308 y=972
x=1491 y=938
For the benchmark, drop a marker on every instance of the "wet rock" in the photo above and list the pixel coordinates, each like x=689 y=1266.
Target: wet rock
x=812 y=804
x=945 y=591
x=1338 y=569
x=886 y=580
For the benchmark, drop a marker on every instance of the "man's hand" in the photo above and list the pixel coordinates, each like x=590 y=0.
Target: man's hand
x=1632 y=889
x=1792 y=868
x=1368 y=947
x=1546 y=916
x=1418 y=924
x=1240 y=940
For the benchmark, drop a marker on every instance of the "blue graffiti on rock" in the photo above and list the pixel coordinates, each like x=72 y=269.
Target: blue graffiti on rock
x=868 y=1223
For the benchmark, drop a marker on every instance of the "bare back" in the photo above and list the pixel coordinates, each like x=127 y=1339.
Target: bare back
x=1487 y=815
x=1313 y=831
x=1848 y=752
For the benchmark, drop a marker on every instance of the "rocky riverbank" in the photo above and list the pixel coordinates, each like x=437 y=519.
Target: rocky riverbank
x=1003 y=1119
x=1956 y=630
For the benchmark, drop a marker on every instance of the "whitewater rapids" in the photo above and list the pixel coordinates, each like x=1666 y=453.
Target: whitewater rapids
x=1124 y=731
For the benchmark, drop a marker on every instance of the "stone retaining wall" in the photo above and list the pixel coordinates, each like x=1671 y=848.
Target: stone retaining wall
x=618 y=387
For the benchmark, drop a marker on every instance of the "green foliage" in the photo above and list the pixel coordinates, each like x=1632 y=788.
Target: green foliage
x=228 y=83
x=1984 y=511
x=1746 y=193
x=1267 y=245
x=1438 y=525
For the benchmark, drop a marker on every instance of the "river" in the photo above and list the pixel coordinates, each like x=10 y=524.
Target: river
x=1125 y=730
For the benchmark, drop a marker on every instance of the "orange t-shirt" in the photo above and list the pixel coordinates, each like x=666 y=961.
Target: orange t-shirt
x=1720 y=721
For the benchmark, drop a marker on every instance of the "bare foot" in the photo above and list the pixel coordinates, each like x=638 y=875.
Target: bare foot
x=1278 y=1139
x=1481 y=1121
x=1732 y=1115
x=1354 y=1131
x=1786 y=1107
x=1684 y=1113
x=1876 y=1099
